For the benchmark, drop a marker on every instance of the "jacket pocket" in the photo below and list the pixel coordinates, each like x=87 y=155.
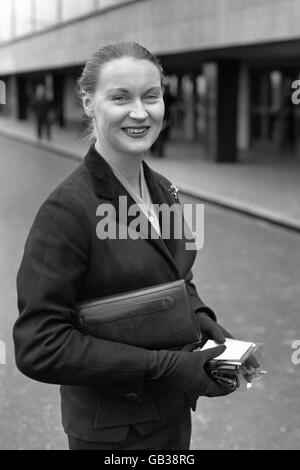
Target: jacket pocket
x=113 y=417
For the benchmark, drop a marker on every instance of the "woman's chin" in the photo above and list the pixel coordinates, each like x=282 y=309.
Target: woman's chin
x=137 y=148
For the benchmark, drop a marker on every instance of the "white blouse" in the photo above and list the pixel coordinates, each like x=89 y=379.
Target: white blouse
x=144 y=200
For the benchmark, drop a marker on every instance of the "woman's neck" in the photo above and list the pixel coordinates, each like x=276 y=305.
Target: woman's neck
x=128 y=165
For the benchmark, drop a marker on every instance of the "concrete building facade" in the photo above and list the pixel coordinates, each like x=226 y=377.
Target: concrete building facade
x=229 y=62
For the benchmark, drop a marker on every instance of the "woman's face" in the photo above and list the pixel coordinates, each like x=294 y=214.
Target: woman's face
x=128 y=106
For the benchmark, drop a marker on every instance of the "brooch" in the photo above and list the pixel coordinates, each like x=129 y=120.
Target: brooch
x=173 y=191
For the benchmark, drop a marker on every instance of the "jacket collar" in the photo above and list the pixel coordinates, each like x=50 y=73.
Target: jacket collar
x=107 y=186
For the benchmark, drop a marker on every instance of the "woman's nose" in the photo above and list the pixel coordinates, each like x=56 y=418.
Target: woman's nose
x=138 y=111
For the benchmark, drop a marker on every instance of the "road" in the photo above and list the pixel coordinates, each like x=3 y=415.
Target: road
x=247 y=271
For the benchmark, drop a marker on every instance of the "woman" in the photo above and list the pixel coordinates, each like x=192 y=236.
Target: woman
x=114 y=396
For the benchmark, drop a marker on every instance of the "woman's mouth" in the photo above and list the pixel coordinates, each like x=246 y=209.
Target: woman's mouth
x=136 y=132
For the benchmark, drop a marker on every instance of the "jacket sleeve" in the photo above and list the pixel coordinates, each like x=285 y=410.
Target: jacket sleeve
x=48 y=346
x=197 y=304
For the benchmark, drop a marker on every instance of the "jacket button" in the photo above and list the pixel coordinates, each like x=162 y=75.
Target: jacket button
x=131 y=396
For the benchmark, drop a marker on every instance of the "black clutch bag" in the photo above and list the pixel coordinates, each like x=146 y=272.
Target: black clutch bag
x=156 y=317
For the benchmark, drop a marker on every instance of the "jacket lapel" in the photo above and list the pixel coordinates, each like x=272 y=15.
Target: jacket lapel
x=161 y=194
x=107 y=186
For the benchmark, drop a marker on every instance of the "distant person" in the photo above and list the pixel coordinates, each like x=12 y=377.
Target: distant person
x=159 y=146
x=42 y=106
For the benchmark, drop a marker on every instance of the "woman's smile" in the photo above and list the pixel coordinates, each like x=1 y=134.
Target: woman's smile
x=136 y=132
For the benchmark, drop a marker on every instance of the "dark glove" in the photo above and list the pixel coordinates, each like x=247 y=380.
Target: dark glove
x=185 y=371
x=209 y=328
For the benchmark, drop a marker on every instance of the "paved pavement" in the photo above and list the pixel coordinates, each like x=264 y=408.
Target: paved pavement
x=263 y=184
x=248 y=272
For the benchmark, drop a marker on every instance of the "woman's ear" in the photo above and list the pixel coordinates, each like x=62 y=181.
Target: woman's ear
x=87 y=104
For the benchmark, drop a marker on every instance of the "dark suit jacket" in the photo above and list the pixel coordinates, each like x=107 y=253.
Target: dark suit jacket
x=104 y=384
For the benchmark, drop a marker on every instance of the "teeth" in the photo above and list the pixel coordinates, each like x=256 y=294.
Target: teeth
x=132 y=130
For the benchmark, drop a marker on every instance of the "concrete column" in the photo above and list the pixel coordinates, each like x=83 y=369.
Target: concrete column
x=255 y=104
x=59 y=11
x=12 y=97
x=3 y=96
x=13 y=20
x=227 y=111
x=222 y=80
x=210 y=72
x=190 y=115
x=58 y=82
x=33 y=19
x=22 y=102
x=264 y=93
x=194 y=108
x=243 y=119
x=179 y=86
x=179 y=102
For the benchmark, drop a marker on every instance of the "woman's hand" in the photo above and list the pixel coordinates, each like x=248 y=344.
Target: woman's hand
x=185 y=371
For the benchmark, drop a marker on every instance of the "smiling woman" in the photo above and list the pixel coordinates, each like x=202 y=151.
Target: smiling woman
x=114 y=395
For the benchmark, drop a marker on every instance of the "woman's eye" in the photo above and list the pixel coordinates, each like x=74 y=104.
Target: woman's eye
x=119 y=98
x=151 y=97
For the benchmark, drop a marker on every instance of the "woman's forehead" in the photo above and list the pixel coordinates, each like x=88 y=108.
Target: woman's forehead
x=128 y=72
